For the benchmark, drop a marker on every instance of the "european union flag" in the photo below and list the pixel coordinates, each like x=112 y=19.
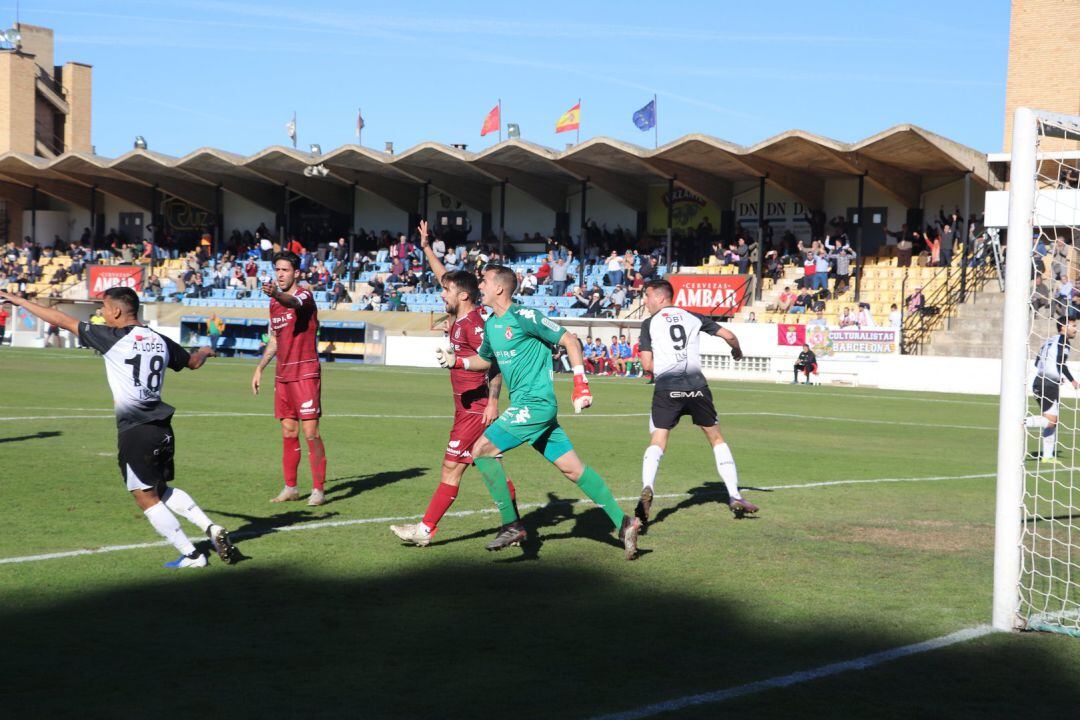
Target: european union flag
x=645 y=118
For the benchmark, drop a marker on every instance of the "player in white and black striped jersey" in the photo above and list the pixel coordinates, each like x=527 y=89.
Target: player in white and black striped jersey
x=136 y=358
x=1051 y=369
x=669 y=346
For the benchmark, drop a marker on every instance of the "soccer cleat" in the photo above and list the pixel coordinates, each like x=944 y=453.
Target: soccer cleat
x=416 y=534
x=740 y=508
x=185 y=562
x=628 y=533
x=287 y=494
x=317 y=497
x=644 y=506
x=219 y=539
x=512 y=534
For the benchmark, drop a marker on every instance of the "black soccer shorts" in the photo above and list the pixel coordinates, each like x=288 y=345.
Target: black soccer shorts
x=1047 y=393
x=146 y=456
x=670 y=405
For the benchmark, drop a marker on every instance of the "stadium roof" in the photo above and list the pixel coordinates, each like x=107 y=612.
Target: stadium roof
x=903 y=162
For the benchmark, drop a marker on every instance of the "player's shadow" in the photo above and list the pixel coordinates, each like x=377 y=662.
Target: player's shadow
x=708 y=493
x=256 y=526
x=592 y=524
x=36 y=436
x=344 y=488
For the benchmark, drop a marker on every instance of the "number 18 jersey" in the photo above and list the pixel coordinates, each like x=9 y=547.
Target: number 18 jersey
x=135 y=361
x=673 y=336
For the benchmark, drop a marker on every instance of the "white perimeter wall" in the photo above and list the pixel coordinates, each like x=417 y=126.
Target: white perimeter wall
x=604 y=208
x=115 y=206
x=524 y=214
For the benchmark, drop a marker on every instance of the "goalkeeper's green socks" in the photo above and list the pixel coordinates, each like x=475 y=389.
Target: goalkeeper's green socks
x=597 y=490
x=495 y=479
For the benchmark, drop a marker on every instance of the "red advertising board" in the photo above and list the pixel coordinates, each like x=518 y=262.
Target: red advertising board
x=100 y=278
x=710 y=294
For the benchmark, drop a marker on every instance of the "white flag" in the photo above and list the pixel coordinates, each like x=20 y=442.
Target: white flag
x=359 y=122
x=290 y=128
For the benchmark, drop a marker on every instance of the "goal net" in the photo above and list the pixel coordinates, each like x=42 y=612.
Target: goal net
x=1037 y=554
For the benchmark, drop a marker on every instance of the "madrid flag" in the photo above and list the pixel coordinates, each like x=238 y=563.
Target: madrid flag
x=571 y=119
x=491 y=122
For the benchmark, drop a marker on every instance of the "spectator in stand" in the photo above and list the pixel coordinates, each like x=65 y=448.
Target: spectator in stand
x=806 y=364
x=528 y=283
x=933 y=243
x=751 y=318
x=4 y=315
x=615 y=269
x=864 y=318
x=251 y=275
x=1059 y=259
x=560 y=362
x=896 y=319
x=904 y=245
x=784 y=302
x=617 y=300
x=543 y=273
x=774 y=268
x=153 y=287
x=648 y=268
x=821 y=271
x=802 y=301
x=1040 y=296
x=809 y=271
x=558 y=277
x=842 y=257
x=847 y=319
x=742 y=256
x=595 y=306
x=819 y=319
x=915 y=301
x=296 y=247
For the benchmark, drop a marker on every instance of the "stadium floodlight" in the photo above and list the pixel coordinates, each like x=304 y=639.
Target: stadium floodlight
x=1038 y=497
x=389 y=147
x=12 y=36
x=316 y=149
x=140 y=142
x=513 y=130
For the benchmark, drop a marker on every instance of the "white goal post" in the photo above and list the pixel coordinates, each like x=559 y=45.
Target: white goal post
x=1037 y=524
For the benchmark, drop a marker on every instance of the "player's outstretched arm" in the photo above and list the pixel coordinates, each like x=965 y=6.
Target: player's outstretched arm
x=272 y=290
x=437 y=266
x=268 y=355
x=48 y=314
x=449 y=360
x=197 y=358
x=732 y=341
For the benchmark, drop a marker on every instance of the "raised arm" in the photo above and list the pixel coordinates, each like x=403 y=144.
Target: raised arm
x=732 y=341
x=199 y=357
x=48 y=314
x=290 y=301
x=434 y=260
x=268 y=355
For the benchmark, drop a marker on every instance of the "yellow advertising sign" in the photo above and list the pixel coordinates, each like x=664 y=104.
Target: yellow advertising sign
x=687 y=211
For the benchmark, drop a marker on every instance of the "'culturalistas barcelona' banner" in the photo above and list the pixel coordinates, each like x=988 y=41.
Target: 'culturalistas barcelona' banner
x=853 y=341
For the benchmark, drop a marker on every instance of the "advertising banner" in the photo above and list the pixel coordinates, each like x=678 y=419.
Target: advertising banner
x=852 y=341
x=790 y=335
x=710 y=294
x=100 y=278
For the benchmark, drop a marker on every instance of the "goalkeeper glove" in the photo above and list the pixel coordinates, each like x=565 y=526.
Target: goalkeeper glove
x=447 y=358
x=582 y=396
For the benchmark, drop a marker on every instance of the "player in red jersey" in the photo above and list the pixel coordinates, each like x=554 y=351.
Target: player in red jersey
x=294 y=327
x=476 y=395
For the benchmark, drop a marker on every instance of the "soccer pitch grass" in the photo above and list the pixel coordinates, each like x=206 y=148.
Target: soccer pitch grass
x=342 y=620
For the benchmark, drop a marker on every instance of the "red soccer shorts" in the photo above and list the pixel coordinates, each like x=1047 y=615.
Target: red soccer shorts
x=299 y=400
x=467 y=429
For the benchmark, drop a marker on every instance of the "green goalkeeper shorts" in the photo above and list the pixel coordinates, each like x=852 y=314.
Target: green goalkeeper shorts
x=537 y=425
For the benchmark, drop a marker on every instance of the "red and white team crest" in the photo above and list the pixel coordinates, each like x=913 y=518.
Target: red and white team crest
x=509 y=334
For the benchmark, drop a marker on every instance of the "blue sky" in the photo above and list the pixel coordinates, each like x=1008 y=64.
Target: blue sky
x=191 y=73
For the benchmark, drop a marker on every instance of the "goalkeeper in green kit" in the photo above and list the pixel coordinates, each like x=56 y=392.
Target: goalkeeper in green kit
x=519 y=341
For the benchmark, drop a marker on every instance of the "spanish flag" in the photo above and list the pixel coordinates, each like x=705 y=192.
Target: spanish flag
x=571 y=119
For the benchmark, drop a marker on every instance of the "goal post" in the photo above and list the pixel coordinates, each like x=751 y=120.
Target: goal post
x=1037 y=518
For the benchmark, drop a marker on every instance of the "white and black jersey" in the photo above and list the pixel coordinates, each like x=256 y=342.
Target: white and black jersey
x=673 y=337
x=1050 y=362
x=136 y=358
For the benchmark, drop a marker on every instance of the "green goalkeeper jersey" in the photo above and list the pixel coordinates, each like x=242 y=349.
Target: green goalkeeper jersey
x=520 y=342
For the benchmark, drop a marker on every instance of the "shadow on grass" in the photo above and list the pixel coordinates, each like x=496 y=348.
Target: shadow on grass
x=475 y=640
x=344 y=488
x=36 y=436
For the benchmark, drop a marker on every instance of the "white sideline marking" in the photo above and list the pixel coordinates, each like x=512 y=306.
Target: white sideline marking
x=802 y=676
x=376 y=416
x=461 y=513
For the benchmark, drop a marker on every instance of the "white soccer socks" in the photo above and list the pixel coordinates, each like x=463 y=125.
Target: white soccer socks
x=650 y=464
x=185 y=506
x=168 y=527
x=725 y=466
x=1036 y=421
x=1049 y=442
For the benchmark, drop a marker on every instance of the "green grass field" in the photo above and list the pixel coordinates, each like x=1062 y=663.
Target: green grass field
x=342 y=620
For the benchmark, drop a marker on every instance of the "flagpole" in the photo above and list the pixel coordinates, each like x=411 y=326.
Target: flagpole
x=360 y=126
x=656 y=123
x=500 y=137
x=577 y=132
